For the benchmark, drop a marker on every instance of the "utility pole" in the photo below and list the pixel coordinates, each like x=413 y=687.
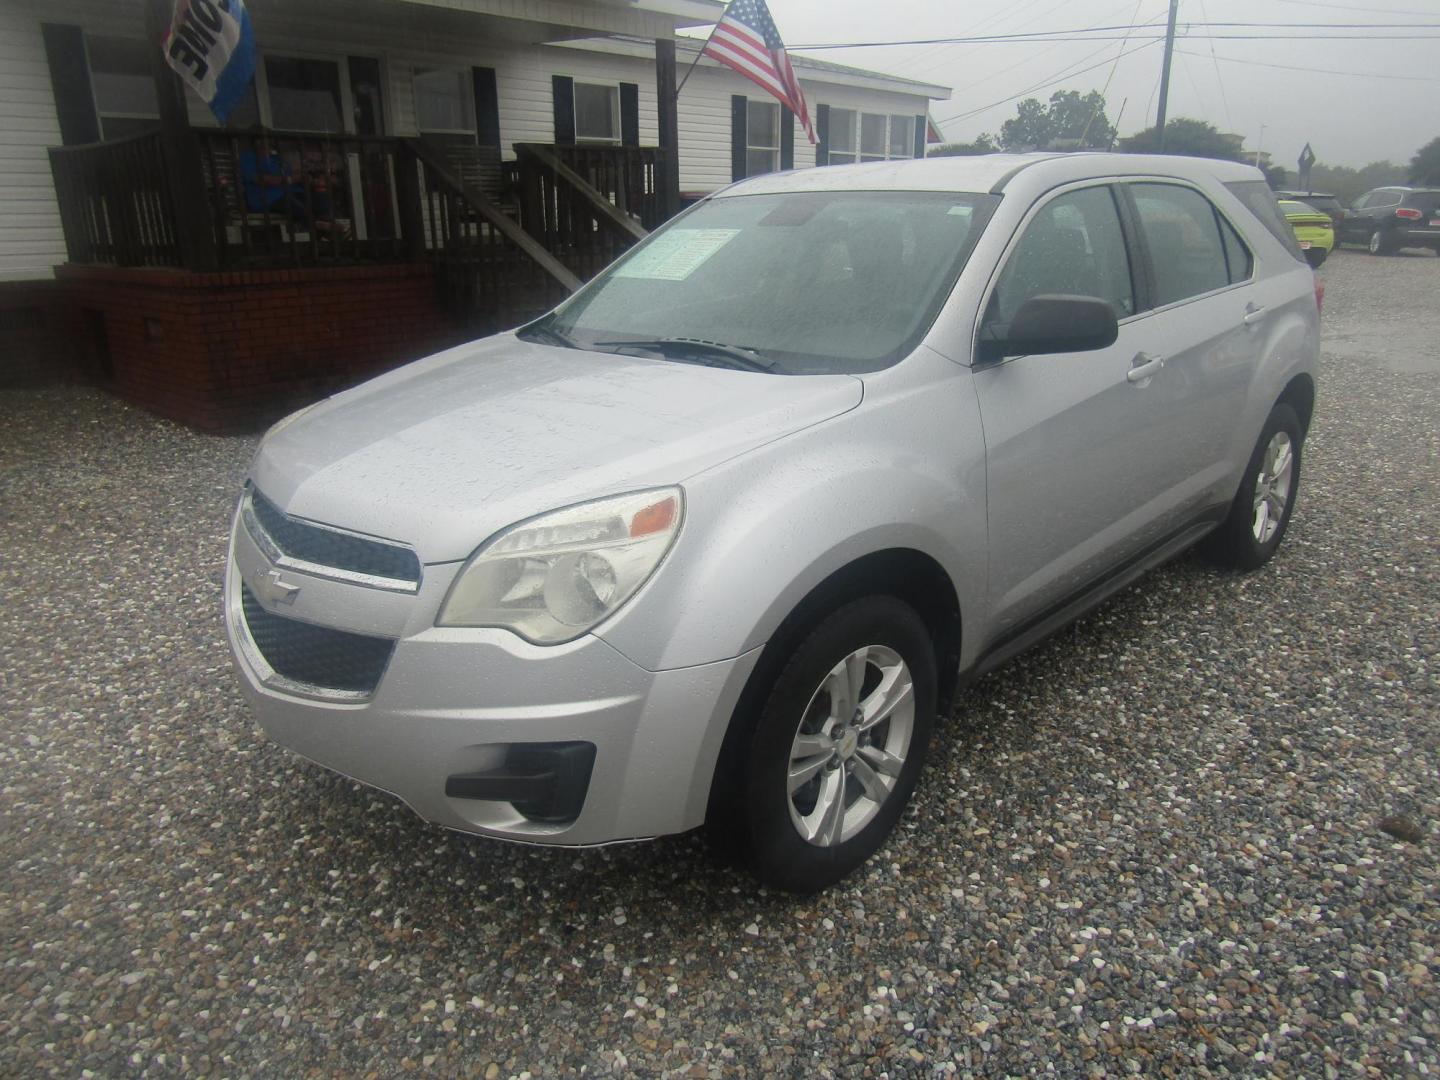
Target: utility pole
x=1165 y=74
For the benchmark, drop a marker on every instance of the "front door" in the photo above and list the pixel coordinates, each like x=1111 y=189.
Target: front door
x=1072 y=472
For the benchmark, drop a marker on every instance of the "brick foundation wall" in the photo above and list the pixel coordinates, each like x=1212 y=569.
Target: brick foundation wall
x=231 y=352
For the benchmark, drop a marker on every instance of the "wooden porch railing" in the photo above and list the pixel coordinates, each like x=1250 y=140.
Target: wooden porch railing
x=286 y=198
x=584 y=225
x=267 y=199
x=116 y=204
x=491 y=273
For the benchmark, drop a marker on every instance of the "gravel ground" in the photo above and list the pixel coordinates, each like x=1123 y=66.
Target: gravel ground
x=1152 y=845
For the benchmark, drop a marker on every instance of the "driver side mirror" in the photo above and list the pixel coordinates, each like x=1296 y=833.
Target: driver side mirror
x=1053 y=324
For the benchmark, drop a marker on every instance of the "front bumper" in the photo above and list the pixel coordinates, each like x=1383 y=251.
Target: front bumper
x=456 y=702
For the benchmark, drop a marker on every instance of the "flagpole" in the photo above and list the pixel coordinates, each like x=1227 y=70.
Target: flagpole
x=699 y=54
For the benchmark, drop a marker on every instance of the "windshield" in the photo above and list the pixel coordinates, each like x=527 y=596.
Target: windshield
x=794 y=283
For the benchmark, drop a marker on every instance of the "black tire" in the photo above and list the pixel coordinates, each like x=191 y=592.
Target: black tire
x=1235 y=543
x=1316 y=257
x=755 y=821
x=1380 y=243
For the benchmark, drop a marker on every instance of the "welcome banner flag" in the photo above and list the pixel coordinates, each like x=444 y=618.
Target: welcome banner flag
x=212 y=47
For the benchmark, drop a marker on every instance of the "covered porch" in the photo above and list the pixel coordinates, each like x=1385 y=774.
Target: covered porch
x=396 y=148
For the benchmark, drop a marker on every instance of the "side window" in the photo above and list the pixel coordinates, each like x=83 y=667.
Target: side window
x=1238 y=259
x=1182 y=237
x=1362 y=202
x=1073 y=246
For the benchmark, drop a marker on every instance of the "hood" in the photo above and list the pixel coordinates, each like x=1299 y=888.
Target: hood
x=446 y=451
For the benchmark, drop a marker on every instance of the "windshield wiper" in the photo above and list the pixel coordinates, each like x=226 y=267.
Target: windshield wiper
x=736 y=356
x=543 y=331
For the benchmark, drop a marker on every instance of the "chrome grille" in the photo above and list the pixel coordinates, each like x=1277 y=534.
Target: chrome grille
x=316 y=657
x=316 y=548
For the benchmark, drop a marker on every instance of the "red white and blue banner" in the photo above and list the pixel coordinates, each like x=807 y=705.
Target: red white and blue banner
x=211 y=45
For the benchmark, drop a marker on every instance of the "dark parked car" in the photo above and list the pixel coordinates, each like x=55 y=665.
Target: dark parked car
x=1390 y=218
x=1325 y=203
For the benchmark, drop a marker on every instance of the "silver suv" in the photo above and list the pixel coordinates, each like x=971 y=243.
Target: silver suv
x=716 y=540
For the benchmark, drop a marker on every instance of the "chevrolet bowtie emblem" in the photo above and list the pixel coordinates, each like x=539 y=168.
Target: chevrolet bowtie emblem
x=276 y=590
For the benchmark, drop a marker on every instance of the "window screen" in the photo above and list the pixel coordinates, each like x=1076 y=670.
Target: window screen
x=304 y=94
x=444 y=100
x=762 y=137
x=842 y=136
x=597 y=113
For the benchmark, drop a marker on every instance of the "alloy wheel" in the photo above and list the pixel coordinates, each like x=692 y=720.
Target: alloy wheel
x=851 y=745
x=1272 y=486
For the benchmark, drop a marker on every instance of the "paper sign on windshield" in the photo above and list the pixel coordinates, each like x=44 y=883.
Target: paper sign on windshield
x=676 y=254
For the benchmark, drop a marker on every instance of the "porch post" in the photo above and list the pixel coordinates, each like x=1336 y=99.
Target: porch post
x=668 y=114
x=190 y=203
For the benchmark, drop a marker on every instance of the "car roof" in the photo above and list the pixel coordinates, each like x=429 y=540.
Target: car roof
x=992 y=173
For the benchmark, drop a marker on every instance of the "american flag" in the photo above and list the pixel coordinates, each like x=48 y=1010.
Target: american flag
x=746 y=40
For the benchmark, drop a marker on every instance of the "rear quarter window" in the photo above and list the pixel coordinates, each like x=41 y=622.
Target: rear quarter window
x=1260 y=201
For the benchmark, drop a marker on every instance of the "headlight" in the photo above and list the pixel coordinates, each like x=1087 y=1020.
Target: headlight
x=553 y=577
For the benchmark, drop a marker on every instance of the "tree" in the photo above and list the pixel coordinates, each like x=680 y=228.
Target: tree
x=1347 y=184
x=1184 y=136
x=985 y=144
x=1068 y=122
x=1425 y=165
x=1276 y=176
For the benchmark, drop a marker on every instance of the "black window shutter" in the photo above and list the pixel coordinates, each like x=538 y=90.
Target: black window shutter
x=487 y=107
x=563 y=88
x=922 y=129
x=629 y=114
x=70 y=79
x=822 y=134
x=739 y=107
x=787 y=138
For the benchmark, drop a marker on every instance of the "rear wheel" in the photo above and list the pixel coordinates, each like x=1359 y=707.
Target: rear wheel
x=1315 y=257
x=837 y=748
x=1260 y=514
x=1380 y=243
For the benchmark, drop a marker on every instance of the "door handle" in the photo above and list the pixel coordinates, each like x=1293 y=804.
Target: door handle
x=1254 y=314
x=1143 y=367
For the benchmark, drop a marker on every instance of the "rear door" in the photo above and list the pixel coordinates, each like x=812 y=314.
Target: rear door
x=1205 y=318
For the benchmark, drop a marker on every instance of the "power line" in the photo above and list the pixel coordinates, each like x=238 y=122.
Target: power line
x=1038 y=86
x=1220 y=82
x=1355 y=7
x=1311 y=70
x=1074 y=34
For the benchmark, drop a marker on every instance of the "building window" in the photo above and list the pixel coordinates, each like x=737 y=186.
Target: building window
x=856 y=136
x=842 y=137
x=444 y=101
x=762 y=137
x=597 y=113
x=872 y=137
x=125 y=99
x=902 y=136
x=304 y=94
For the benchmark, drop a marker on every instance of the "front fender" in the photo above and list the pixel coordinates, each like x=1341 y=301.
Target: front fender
x=906 y=469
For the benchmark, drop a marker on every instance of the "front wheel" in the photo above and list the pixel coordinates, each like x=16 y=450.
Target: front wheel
x=1251 y=533
x=837 y=748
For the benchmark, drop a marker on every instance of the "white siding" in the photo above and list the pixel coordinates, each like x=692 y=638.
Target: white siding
x=30 y=239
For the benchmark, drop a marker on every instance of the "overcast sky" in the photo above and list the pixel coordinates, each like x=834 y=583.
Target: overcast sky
x=1349 y=119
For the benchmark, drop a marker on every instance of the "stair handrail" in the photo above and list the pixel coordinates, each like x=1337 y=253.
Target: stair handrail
x=605 y=209
x=497 y=218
